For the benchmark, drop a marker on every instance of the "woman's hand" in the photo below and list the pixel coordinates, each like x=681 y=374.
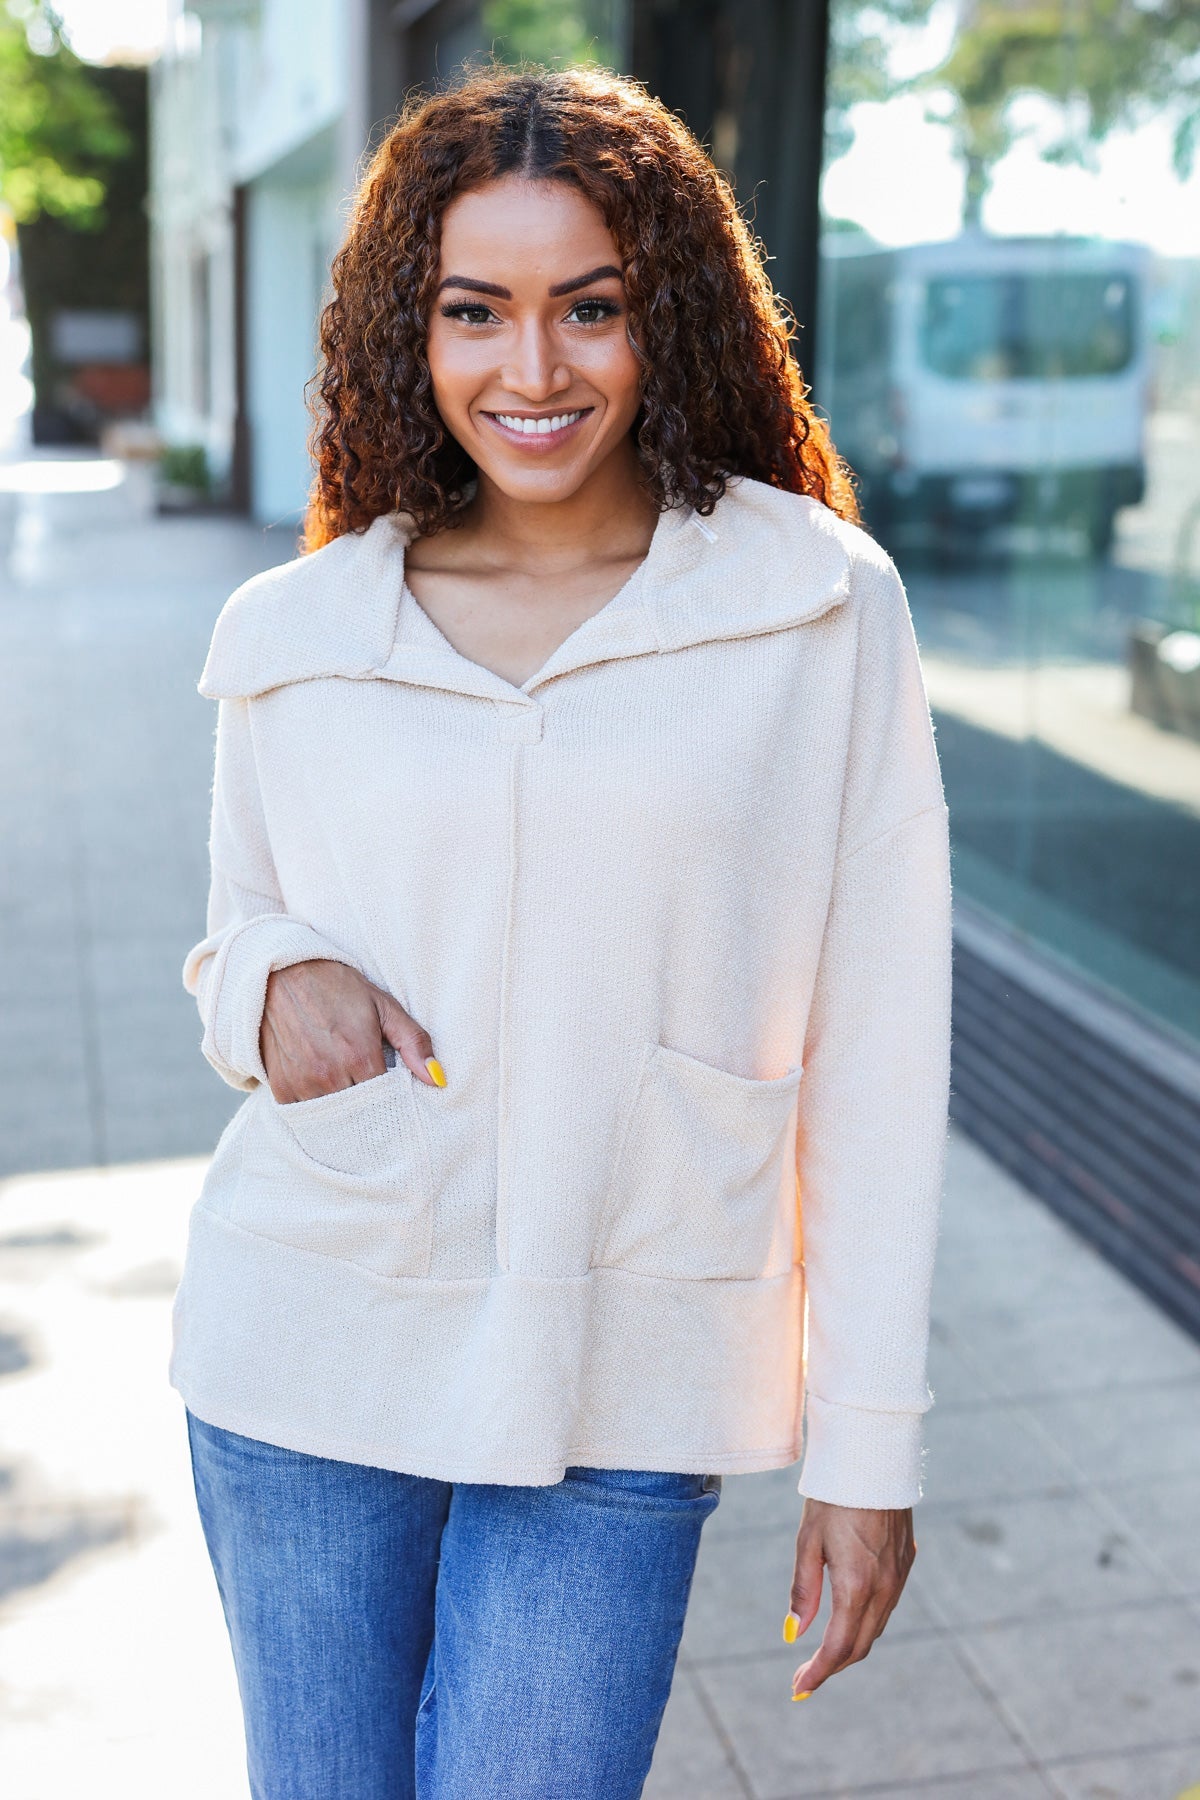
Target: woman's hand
x=869 y=1553
x=324 y=1027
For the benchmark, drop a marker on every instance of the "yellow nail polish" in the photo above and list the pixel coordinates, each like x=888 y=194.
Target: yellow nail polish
x=791 y=1626
x=807 y=1695
x=436 y=1070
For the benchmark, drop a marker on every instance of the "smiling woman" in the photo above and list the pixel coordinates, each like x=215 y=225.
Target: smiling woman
x=579 y=931
x=541 y=386
x=680 y=292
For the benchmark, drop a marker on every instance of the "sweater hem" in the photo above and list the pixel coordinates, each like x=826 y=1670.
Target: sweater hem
x=507 y=1381
x=540 y=1474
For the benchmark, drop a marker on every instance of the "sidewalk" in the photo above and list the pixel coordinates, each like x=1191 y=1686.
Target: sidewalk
x=1048 y=1642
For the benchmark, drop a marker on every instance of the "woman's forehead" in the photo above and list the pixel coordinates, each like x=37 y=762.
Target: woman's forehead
x=512 y=217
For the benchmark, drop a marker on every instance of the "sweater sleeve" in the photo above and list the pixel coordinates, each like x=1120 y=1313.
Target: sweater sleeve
x=249 y=929
x=871 y=1139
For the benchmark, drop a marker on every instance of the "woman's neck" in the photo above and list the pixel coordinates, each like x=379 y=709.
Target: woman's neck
x=610 y=515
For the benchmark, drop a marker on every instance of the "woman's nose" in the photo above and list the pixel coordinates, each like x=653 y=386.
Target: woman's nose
x=535 y=368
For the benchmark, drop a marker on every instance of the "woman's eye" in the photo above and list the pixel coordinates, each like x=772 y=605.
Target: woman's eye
x=596 y=310
x=471 y=315
x=585 y=312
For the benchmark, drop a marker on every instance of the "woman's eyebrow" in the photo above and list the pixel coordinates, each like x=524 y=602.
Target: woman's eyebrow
x=475 y=287
x=606 y=272
x=569 y=287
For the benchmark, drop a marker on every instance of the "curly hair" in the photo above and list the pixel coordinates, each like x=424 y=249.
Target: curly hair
x=722 y=394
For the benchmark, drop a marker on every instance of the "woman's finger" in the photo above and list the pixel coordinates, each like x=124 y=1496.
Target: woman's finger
x=807 y=1577
x=411 y=1042
x=838 y=1643
x=861 y=1624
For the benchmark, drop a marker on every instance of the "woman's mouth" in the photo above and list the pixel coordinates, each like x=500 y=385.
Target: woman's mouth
x=537 y=431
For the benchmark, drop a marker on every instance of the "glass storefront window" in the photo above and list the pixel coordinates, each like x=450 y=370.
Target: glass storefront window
x=1009 y=356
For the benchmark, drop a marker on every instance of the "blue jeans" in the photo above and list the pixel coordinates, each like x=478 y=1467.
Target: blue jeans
x=396 y=1636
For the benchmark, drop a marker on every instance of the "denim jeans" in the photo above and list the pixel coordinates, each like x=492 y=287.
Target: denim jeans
x=399 y=1637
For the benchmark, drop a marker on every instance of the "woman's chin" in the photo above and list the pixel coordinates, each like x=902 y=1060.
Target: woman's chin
x=544 y=485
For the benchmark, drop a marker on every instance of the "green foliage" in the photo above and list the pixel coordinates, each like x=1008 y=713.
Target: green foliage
x=861 y=36
x=59 y=130
x=1103 y=63
x=185 y=466
x=558 y=32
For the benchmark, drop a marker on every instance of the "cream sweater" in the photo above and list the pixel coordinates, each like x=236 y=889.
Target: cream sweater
x=676 y=913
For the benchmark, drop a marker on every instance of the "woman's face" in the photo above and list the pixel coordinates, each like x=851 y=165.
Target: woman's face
x=533 y=372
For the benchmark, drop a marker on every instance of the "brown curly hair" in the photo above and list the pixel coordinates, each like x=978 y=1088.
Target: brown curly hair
x=722 y=393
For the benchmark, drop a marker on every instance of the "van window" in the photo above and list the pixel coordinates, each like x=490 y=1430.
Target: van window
x=1004 y=327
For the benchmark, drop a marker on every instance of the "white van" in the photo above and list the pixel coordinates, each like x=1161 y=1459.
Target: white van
x=985 y=381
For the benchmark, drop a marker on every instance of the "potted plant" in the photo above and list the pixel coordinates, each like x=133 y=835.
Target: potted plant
x=185 y=481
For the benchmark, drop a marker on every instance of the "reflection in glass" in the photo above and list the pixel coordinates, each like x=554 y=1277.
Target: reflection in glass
x=1026 y=326
x=984 y=380
x=1010 y=360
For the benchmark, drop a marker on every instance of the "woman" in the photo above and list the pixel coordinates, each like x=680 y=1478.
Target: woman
x=579 y=931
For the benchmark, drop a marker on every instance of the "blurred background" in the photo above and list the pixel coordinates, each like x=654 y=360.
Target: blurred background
x=985 y=218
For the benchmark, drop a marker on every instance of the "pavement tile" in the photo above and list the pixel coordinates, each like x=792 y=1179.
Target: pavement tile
x=1003 y=1222
x=1164 y=1774
x=769 y=1501
x=44 y=1127
x=983 y=1201
x=1025 y=1785
x=909 y=1711
x=993 y=1452
x=46 y=965
x=955 y=1377
x=1130 y=1432
x=140 y=971
x=690 y=1761
x=1082 y=1686
x=115 y=1674
x=42 y=1037
x=119 y=1684
x=1030 y=1557
x=163 y=1132
x=1045 y=1272
x=1072 y=1345
x=1164 y=1516
x=145 y=1048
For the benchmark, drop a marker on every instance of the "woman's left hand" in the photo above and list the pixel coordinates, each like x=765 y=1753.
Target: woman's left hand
x=869 y=1553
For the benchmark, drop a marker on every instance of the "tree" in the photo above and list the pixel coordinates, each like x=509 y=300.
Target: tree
x=558 y=32
x=1102 y=63
x=861 y=40
x=59 y=129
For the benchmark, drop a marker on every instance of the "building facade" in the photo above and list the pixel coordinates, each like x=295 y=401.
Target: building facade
x=259 y=119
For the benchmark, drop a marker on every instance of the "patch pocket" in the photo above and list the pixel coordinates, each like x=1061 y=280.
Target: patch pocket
x=704 y=1184
x=344 y=1175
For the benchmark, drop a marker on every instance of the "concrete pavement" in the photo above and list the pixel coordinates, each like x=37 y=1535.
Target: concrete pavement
x=1048 y=1642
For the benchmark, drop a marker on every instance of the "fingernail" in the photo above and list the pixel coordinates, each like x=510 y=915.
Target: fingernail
x=436 y=1070
x=806 y=1695
x=791 y=1625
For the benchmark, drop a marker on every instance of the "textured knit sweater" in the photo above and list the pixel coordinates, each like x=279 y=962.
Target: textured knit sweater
x=676 y=914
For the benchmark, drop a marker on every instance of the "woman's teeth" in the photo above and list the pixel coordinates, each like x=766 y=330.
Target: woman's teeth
x=540 y=426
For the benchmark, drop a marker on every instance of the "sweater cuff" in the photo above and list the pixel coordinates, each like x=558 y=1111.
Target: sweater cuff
x=854 y=1456
x=239 y=988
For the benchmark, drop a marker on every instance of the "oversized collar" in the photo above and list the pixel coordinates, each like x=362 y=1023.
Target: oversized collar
x=763 y=561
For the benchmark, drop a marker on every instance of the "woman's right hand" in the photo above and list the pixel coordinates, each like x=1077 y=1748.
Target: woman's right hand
x=324 y=1027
